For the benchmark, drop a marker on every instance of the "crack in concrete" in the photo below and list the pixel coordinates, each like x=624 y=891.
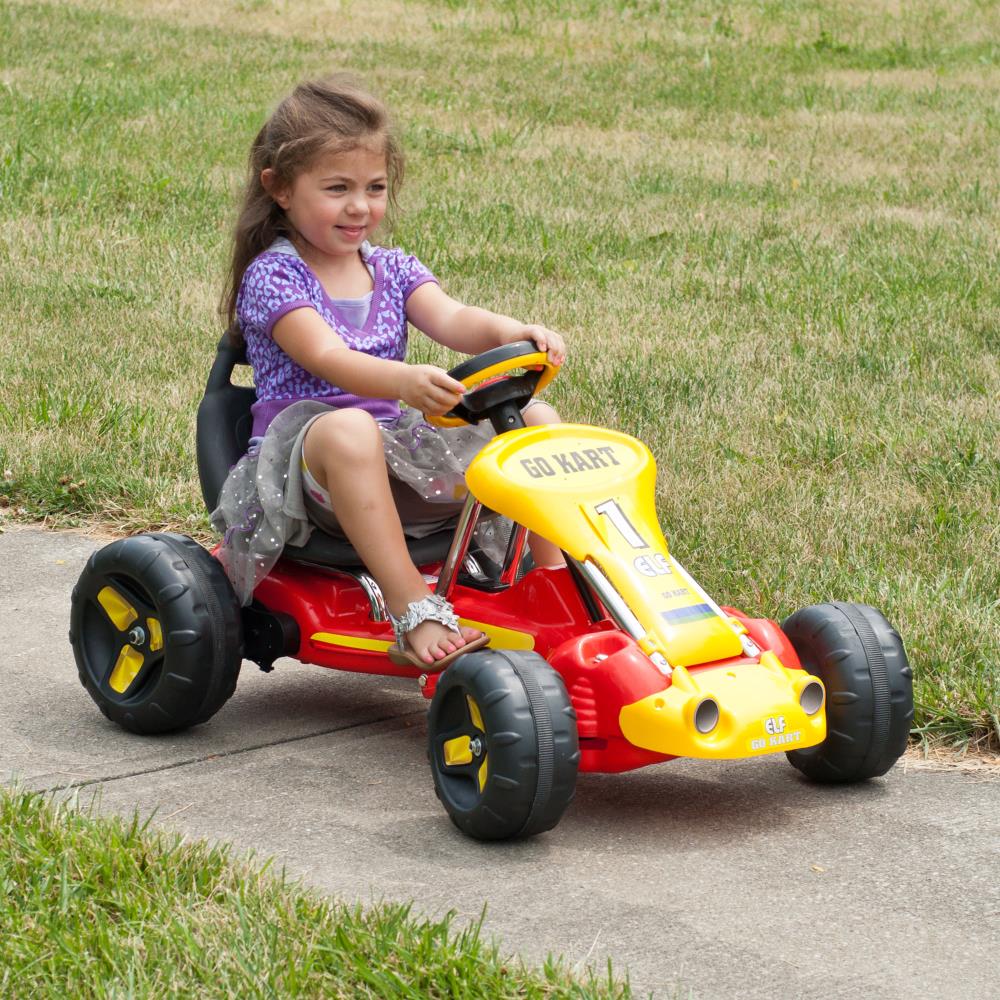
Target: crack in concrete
x=230 y=753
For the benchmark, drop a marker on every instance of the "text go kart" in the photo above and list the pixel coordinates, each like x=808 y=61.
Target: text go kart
x=617 y=660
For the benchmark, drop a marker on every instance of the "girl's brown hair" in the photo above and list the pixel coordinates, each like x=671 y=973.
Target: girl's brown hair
x=319 y=117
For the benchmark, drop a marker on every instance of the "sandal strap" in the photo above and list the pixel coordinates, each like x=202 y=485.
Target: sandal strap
x=433 y=607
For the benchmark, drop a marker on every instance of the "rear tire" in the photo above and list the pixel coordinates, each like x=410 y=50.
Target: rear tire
x=503 y=744
x=156 y=631
x=860 y=658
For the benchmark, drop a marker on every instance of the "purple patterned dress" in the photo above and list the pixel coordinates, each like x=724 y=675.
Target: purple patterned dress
x=261 y=506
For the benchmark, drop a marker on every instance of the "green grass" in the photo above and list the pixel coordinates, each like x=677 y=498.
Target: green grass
x=105 y=907
x=767 y=229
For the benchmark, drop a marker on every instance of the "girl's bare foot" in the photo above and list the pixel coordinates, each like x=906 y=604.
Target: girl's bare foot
x=431 y=640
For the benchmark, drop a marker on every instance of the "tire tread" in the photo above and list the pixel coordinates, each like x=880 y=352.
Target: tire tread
x=869 y=704
x=202 y=632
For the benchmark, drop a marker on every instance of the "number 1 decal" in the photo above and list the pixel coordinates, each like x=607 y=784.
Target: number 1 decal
x=614 y=513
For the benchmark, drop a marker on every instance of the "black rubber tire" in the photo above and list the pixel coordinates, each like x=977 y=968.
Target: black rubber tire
x=172 y=579
x=532 y=752
x=860 y=658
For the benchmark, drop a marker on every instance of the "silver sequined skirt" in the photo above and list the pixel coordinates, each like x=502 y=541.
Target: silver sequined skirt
x=262 y=506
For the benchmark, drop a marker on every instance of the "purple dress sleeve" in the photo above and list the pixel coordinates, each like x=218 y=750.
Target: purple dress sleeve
x=272 y=286
x=411 y=274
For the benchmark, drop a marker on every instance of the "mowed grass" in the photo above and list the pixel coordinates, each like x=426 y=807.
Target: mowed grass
x=767 y=229
x=105 y=907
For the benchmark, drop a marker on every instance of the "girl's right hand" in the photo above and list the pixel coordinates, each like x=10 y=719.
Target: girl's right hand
x=430 y=389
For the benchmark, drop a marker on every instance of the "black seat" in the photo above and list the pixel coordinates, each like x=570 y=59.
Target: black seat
x=224 y=421
x=224 y=424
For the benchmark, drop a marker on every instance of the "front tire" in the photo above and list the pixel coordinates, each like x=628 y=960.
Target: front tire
x=156 y=631
x=869 y=690
x=503 y=744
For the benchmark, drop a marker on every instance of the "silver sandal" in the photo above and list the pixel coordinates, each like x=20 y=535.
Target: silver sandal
x=433 y=607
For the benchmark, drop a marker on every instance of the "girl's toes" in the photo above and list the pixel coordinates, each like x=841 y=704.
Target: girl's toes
x=443 y=647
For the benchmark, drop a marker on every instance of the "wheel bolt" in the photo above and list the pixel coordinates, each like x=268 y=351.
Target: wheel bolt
x=137 y=636
x=476 y=746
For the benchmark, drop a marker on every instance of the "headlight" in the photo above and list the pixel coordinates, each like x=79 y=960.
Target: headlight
x=706 y=716
x=811 y=698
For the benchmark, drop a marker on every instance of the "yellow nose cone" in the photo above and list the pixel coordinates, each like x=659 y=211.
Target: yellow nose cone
x=759 y=712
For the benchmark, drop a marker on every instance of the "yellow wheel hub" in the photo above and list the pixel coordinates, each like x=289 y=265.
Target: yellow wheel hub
x=128 y=666
x=124 y=617
x=458 y=751
x=118 y=609
x=462 y=750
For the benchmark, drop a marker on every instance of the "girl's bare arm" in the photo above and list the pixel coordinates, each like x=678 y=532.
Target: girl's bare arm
x=310 y=341
x=472 y=330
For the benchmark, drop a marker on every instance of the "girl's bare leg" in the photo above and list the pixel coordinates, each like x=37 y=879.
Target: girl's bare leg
x=542 y=551
x=343 y=450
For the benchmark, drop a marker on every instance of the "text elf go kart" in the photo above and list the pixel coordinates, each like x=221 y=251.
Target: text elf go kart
x=617 y=660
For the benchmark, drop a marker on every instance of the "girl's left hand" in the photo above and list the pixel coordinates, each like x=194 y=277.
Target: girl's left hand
x=546 y=340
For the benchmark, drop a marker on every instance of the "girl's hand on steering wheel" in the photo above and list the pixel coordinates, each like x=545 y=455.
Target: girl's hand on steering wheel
x=430 y=389
x=545 y=340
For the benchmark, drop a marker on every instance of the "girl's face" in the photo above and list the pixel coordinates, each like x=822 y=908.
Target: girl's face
x=338 y=202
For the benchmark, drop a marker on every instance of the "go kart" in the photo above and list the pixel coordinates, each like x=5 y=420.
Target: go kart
x=617 y=660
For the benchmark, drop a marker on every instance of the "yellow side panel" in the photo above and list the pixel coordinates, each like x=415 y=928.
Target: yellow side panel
x=502 y=638
x=351 y=641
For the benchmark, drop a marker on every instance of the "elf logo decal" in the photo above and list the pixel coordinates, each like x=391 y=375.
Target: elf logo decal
x=585 y=460
x=774 y=725
x=654 y=565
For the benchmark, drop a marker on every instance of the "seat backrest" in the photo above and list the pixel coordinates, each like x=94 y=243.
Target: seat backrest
x=224 y=421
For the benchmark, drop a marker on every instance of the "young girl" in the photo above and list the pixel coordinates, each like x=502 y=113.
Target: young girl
x=324 y=316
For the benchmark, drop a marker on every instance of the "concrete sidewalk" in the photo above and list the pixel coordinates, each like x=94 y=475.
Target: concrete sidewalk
x=700 y=879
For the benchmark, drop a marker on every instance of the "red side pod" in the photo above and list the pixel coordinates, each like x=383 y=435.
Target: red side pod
x=768 y=635
x=321 y=603
x=604 y=671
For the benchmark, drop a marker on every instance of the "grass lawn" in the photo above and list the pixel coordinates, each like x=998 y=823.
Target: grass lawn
x=106 y=908
x=767 y=229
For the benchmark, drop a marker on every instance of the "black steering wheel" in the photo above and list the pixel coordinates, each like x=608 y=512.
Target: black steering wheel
x=495 y=393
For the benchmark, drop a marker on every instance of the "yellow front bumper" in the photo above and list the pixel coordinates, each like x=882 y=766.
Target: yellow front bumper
x=758 y=712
